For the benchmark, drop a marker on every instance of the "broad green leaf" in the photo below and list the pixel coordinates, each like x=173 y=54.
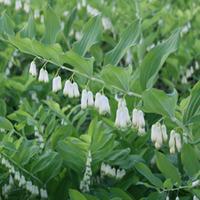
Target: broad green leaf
x=73 y=151
x=102 y=143
x=154 y=60
x=190 y=160
x=117 y=76
x=91 y=35
x=157 y=101
x=29 y=29
x=146 y=172
x=82 y=65
x=192 y=112
x=52 y=26
x=54 y=54
x=69 y=22
x=167 y=168
x=117 y=192
x=76 y=195
x=5 y=124
x=47 y=166
x=129 y=38
x=6 y=25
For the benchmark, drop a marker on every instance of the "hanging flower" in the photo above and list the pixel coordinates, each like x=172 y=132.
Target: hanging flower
x=27 y=6
x=33 y=69
x=158 y=134
x=18 y=4
x=56 y=84
x=175 y=142
x=71 y=89
x=102 y=103
x=122 y=116
x=43 y=76
x=138 y=121
x=195 y=197
x=87 y=99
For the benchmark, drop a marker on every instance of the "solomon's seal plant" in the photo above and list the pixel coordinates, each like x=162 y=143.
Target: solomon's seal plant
x=99 y=100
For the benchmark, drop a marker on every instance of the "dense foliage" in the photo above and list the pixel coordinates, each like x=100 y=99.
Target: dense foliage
x=99 y=100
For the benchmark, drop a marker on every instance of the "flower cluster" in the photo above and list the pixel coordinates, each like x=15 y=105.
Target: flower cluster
x=71 y=89
x=189 y=72
x=175 y=142
x=39 y=137
x=158 y=134
x=21 y=180
x=43 y=74
x=102 y=104
x=107 y=170
x=85 y=183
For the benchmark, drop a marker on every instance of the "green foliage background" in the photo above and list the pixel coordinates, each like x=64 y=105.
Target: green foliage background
x=151 y=82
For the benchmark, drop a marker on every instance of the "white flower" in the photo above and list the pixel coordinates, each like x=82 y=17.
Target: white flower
x=68 y=89
x=122 y=116
x=92 y=11
x=18 y=4
x=101 y=103
x=129 y=57
x=43 y=76
x=195 y=197
x=120 y=174
x=196 y=65
x=33 y=69
x=43 y=193
x=56 y=84
x=90 y=99
x=76 y=92
x=84 y=3
x=167 y=197
x=97 y=100
x=26 y=7
x=175 y=142
x=106 y=23
x=195 y=183
x=177 y=198
x=78 y=35
x=158 y=134
x=138 y=120
x=36 y=14
x=84 y=97
x=7 y=2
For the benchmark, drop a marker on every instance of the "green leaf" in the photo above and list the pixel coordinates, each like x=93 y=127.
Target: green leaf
x=129 y=38
x=146 y=172
x=154 y=60
x=52 y=26
x=190 y=160
x=3 y=108
x=157 y=101
x=117 y=76
x=5 y=124
x=69 y=22
x=47 y=166
x=91 y=35
x=192 y=112
x=73 y=151
x=6 y=25
x=82 y=65
x=76 y=195
x=119 y=193
x=167 y=168
x=29 y=29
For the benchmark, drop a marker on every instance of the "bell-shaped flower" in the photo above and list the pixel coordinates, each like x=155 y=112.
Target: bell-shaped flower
x=18 y=4
x=76 y=92
x=84 y=98
x=56 y=84
x=138 y=121
x=122 y=116
x=33 y=69
x=43 y=76
x=175 y=142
